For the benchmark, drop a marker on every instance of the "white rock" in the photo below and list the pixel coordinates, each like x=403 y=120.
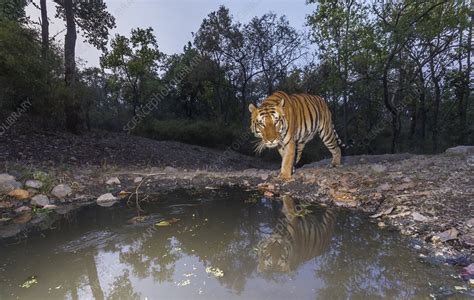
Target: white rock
x=8 y=183
x=34 y=184
x=170 y=170
x=138 y=179
x=378 y=168
x=419 y=217
x=40 y=200
x=460 y=150
x=106 y=200
x=61 y=191
x=112 y=181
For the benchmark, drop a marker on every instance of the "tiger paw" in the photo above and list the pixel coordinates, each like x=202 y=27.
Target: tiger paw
x=285 y=177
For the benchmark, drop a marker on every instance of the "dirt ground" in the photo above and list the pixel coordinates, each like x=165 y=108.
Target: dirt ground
x=427 y=197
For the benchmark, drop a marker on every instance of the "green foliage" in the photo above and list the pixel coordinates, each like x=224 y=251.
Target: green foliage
x=92 y=18
x=13 y=10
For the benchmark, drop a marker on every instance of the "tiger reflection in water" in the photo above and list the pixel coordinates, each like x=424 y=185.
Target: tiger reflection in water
x=296 y=239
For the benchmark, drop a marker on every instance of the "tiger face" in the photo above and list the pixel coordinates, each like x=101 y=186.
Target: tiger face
x=268 y=123
x=274 y=255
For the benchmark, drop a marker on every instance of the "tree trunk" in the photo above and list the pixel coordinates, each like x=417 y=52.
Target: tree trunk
x=71 y=107
x=465 y=84
x=422 y=106
x=44 y=28
x=437 y=101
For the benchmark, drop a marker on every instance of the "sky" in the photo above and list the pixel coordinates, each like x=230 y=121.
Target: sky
x=173 y=21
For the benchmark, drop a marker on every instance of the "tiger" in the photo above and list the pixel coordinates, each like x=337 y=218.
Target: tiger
x=288 y=122
x=298 y=240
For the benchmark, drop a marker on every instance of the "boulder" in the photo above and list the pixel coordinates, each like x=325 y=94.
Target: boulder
x=34 y=184
x=61 y=191
x=40 y=200
x=460 y=150
x=8 y=183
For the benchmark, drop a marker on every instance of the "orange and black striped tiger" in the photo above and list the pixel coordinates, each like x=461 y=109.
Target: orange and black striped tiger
x=288 y=122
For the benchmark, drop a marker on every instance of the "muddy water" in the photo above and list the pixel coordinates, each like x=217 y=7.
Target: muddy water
x=217 y=245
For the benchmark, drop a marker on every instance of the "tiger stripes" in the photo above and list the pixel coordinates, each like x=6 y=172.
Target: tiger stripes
x=302 y=239
x=288 y=122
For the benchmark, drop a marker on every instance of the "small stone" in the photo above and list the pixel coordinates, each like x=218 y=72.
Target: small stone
x=8 y=183
x=378 y=168
x=419 y=217
x=61 y=191
x=34 y=184
x=112 y=181
x=40 y=200
x=138 y=179
x=106 y=200
x=381 y=224
x=448 y=235
x=417 y=247
x=19 y=194
x=470 y=223
x=170 y=169
x=383 y=187
x=23 y=218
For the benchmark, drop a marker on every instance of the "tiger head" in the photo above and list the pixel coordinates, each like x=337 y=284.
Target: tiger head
x=268 y=123
x=274 y=255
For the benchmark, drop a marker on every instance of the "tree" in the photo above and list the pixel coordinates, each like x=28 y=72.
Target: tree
x=94 y=21
x=132 y=60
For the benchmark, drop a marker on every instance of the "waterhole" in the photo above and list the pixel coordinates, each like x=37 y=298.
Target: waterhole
x=217 y=245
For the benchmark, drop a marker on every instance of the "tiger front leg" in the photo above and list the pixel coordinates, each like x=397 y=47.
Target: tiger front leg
x=288 y=161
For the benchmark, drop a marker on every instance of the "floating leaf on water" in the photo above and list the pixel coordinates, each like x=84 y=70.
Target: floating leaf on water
x=215 y=271
x=123 y=194
x=184 y=282
x=29 y=282
x=168 y=222
x=460 y=288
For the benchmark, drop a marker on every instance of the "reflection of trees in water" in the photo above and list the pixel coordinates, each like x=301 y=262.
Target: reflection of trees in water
x=351 y=270
x=122 y=288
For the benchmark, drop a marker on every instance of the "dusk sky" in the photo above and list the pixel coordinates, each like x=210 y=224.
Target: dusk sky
x=173 y=21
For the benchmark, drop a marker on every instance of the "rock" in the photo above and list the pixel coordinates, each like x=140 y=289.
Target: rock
x=460 y=150
x=378 y=168
x=450 y=234
x=19 y=194
x=22 y=209
x=470 y=223
x=34 y=184
x=8 y=183
x=468 y=239
x=138 y=179
x=383 y=213
x=419 y=217
x=61 y=191
x=169 y=169
x=112 y=181
x=383 y=187
x=381 y=224
x=40 y=200
x=106 y=200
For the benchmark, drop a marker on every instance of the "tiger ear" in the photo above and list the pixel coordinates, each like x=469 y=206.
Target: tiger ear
x=282 y=102
x=252 y=107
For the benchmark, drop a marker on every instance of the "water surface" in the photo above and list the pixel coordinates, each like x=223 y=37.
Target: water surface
x=220 y=245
